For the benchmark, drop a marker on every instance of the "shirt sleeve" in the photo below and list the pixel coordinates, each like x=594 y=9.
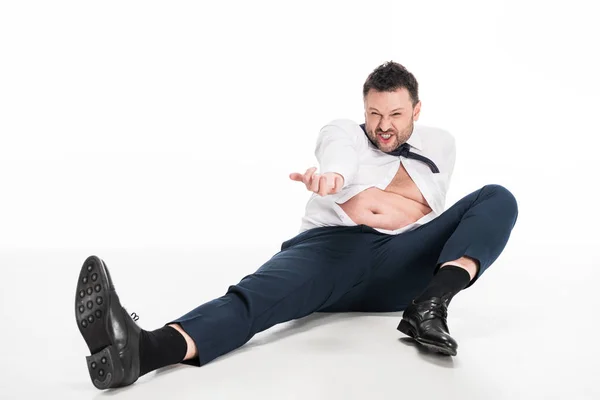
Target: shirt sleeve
x=337 y=149
x=451 y=158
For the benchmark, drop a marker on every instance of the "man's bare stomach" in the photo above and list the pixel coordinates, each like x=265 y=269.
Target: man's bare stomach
x=399 y=205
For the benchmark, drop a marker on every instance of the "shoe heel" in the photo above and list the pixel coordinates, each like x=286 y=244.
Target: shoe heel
x=105 y=368
x=407 y=329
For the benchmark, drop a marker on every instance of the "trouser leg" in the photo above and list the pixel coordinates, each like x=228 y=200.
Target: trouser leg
x=312 y=270
x=478 y=226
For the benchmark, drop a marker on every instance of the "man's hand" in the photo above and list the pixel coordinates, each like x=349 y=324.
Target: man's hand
x=327 y=183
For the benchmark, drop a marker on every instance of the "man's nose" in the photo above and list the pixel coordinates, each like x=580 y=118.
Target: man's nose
x=384 y=124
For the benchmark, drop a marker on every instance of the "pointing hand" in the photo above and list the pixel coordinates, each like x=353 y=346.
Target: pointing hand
x=322 y=184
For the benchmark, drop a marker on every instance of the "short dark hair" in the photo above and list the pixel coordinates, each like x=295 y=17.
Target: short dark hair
x=392 y=76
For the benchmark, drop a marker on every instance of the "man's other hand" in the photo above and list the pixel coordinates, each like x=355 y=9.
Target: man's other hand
x=322 y=184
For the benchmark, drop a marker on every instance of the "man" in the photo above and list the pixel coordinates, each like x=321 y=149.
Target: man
x=375 y=237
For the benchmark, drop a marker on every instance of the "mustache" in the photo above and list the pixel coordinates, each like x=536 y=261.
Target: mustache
x=386 y=132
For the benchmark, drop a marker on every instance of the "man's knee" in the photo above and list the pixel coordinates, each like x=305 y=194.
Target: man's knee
x=508 y=199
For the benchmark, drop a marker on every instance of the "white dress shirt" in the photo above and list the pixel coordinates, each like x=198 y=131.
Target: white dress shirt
x=343 y=147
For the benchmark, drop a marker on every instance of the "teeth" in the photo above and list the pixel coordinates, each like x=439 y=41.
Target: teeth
x=386 y=136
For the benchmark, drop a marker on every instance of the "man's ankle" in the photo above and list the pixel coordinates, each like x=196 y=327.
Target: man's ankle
x=192 y=351
x=161 y=347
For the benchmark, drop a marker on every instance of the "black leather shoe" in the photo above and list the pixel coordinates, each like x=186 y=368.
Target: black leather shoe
x=109 y=331
x=426 y=323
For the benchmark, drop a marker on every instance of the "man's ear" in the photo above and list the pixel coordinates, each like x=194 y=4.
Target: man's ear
x=417 y=111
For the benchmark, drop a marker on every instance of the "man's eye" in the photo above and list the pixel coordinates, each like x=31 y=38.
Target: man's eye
x=396 y=114
x=374 y=113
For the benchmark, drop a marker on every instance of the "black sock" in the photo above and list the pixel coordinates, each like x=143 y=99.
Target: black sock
x=159 y=348
x=448 y=281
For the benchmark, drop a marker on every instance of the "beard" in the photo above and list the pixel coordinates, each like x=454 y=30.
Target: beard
x=396 y=140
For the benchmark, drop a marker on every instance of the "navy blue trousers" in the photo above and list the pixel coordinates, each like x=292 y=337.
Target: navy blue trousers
x=356 y=268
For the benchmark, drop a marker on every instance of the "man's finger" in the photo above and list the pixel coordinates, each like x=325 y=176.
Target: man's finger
x=339 y=182
x=324 y=185
x=314 y=183
x=322 y=189
x=295 y=176
x=308 y=175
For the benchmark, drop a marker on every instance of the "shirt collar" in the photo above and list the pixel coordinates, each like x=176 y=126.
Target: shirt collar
x=415 y=138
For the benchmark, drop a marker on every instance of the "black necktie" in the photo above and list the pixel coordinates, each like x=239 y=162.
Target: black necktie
x=404 y=151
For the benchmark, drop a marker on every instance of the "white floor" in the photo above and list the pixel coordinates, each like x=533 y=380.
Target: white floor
x=525 y=331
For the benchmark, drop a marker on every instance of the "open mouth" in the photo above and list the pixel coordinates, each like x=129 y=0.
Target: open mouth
x=385 y=137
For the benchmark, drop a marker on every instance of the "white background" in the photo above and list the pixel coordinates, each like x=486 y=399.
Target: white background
x=160 y=136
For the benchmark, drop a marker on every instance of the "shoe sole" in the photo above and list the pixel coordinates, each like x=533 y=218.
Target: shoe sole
x=408 y=330
x=92 y=302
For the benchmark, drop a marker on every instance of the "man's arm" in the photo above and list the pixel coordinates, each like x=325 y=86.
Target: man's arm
x=337 y=153
x=337 y=150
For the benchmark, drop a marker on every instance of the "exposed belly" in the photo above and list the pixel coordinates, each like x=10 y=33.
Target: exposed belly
x=398 y=205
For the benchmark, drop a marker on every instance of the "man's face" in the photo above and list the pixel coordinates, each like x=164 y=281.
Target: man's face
x=390 y=113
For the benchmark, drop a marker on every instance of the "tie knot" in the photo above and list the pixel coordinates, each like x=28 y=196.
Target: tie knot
x=403 y=150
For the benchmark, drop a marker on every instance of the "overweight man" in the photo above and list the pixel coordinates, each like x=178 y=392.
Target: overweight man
x=374 y=238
